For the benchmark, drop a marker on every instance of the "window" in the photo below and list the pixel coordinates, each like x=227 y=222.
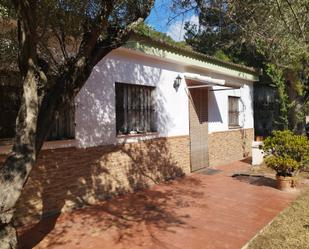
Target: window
x=10 y=96
x=233 y=111
x=9 y=105
x=135 y=112
x=64 y=126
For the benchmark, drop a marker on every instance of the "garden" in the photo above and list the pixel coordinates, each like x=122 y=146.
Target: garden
x=286 y=156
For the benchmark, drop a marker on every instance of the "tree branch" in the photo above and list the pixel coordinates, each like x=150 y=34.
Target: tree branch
x=296 y=19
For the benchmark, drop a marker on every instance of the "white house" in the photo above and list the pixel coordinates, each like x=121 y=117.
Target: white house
x=149 y=112
x=212 y=107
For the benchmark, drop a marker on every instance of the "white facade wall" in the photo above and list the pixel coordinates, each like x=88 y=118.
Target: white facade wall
x=95 y=104
x=95 y=112
x=218 y=108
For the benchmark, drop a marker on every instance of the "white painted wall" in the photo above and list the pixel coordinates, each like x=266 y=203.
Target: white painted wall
x=218 y=108
x=95 y=111
x=95 y=104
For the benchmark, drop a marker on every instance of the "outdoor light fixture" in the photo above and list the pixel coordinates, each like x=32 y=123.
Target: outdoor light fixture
x=177 y=82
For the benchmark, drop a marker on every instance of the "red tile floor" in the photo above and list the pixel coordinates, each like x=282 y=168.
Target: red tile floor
x=198 y=211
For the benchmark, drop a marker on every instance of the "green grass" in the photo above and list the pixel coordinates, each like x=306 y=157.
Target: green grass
x=290 y=229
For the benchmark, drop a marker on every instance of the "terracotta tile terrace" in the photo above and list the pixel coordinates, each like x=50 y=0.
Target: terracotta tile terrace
x=202 y=211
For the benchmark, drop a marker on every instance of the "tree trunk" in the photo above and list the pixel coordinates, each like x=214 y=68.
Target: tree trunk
x=11 y=183
x=296 y=113
x=36 y=114
x=34 y=121
x=8 y=237
x=17 y=167
x=32 y=127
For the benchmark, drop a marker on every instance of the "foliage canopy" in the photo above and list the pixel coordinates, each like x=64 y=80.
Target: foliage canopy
x=286 y=153
x=272 y=35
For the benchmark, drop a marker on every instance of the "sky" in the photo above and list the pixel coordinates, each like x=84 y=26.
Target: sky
x=159 y=19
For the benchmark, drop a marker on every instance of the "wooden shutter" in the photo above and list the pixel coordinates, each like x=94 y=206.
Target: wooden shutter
x=233 y=103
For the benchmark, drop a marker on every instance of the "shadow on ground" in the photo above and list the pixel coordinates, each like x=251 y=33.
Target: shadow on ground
x=257 y=180
x=123 y=216
x=70 y=178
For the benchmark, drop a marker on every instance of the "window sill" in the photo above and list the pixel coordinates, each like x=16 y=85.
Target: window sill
x=56 y=144
x=147 y=134
x=5 y=147
x=234 y=127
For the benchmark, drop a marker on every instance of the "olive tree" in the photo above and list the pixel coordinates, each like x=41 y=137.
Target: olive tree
x=56 y=44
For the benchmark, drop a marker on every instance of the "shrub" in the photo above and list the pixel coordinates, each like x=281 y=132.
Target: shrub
x=286 y=152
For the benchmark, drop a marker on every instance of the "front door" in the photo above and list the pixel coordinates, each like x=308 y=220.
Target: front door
x=198 y=111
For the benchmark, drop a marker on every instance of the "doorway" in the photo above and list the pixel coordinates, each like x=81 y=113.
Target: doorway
x=198 y=112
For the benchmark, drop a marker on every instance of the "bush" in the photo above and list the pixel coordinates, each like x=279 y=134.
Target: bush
x=286 y=153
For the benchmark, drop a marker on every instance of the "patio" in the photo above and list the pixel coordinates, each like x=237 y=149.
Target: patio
x=211 y=210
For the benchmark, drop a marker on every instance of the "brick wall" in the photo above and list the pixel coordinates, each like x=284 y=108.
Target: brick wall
x=67 y=178
x=229 y=146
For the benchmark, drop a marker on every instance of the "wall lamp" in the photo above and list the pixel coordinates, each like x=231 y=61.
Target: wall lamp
x=177 y=82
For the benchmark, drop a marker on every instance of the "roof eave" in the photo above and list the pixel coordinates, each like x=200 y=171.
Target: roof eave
x=189 y=59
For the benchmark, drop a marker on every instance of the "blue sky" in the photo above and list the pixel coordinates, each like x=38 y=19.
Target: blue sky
x=160 y=15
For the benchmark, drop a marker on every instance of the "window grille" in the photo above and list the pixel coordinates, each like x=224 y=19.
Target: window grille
x=135 y=111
